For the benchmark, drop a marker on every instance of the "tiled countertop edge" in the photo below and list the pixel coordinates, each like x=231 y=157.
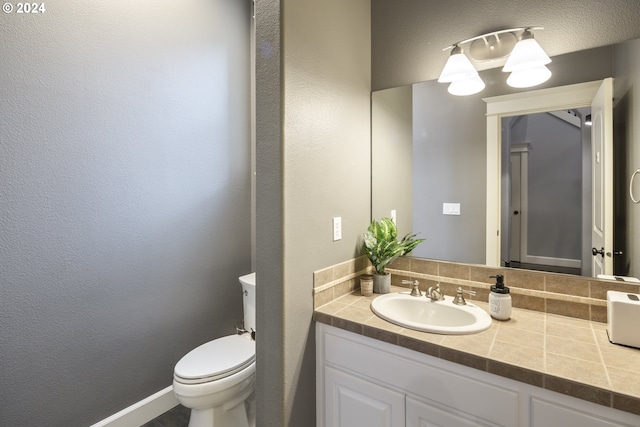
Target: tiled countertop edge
x=568 y=387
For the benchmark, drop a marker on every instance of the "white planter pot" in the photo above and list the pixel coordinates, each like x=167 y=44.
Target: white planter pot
x=381 y=283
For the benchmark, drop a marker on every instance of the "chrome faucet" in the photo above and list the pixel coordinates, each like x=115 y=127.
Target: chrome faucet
x=459 y=299
x=435 y=294
x=415 y=290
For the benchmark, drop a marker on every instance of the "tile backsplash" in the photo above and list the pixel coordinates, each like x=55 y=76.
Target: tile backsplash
x=567 y=295
x=333 y=282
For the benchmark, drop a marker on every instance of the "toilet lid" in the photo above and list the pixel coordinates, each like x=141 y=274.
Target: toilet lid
x=216 y=359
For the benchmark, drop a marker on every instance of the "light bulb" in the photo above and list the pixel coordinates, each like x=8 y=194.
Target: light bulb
x=468 y=86
x=529 y=77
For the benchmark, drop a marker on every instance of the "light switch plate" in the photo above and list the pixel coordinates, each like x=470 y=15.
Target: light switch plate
x=451 y=208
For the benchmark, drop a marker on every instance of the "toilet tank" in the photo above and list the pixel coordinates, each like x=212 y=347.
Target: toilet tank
x=248 y=282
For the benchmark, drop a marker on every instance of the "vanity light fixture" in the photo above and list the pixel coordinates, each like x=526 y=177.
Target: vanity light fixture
x=526 y=61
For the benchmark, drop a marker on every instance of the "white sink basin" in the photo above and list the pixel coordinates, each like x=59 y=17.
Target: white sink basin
x=422 y=314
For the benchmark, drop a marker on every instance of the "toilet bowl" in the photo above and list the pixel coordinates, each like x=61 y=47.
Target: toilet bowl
x=217 y=379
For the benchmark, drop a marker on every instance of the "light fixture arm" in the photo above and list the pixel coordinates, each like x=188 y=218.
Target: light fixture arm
x=484 y=37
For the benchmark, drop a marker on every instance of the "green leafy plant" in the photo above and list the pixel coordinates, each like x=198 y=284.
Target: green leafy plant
x=382 y=246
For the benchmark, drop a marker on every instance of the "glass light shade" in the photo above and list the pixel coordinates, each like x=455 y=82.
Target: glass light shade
x=527 y=53
x=529 y=77
x=458 y=67
x=468 y=86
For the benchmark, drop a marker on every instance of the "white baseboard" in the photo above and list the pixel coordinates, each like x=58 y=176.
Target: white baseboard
x=558 y=262
x=143 y=411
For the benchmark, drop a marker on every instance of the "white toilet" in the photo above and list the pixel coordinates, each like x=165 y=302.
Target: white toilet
x=217 y=379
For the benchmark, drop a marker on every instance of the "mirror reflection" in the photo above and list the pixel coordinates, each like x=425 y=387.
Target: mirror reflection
x=429 y=152
x=546 y=192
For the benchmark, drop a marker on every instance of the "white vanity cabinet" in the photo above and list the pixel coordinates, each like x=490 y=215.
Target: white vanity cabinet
x=365 y=382
x=352 y=401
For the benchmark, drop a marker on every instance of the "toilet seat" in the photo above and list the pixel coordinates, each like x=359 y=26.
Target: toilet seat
x=216 y=359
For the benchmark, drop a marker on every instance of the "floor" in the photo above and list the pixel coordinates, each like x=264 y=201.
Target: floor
x=176 y=417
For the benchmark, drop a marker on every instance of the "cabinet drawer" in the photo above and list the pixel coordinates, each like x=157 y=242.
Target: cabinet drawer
x=551 y=414
x=421 y=414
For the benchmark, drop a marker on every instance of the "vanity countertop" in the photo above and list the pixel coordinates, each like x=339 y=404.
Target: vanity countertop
x=562 y=354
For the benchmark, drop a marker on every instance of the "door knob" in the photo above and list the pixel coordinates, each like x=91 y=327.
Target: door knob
x=595 y=252
x=516 y=212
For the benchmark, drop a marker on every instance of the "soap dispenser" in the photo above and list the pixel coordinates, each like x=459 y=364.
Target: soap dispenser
x=499 y=299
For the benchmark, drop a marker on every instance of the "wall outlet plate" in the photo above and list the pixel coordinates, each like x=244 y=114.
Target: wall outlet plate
x=337 y=228
x=451 y=208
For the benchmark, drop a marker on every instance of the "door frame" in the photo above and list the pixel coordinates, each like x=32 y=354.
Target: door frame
x=537 y=101
x=602 y=160
x=521 y=150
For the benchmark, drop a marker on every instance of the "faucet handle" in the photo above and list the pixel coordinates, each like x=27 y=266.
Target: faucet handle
x=435 y=294
x=415 y=290
x=459 y=299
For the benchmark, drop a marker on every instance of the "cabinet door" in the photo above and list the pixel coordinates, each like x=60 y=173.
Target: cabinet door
x=354 y=402
x=551 y=414
x=422 y=414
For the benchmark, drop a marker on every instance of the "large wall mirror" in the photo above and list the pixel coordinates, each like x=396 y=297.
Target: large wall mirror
x=429 y=163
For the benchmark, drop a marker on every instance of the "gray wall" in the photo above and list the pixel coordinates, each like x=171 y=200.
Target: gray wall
x=326 y=144
x=391 y=156
x=270 y=398
x=313 y=154
x=125 y=199
x=448 y=167
x=554 y=185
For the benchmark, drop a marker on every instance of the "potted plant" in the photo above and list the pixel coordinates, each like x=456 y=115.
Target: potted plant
x=382 y=247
